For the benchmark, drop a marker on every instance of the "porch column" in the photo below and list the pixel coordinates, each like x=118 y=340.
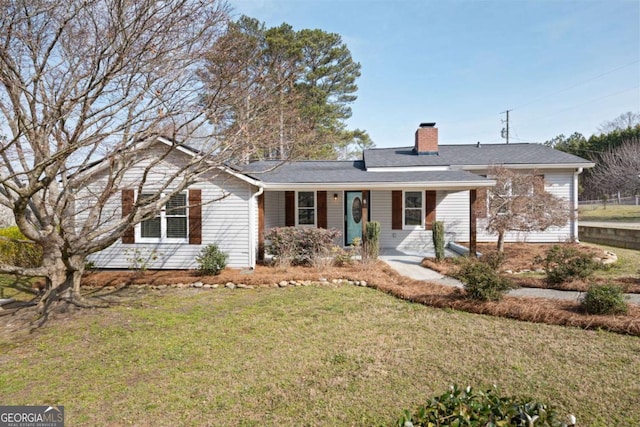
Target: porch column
x=473 y=208
x=365 y=213
x=261 y=227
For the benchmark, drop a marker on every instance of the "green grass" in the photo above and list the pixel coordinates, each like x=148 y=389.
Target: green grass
x=619 y=213
x=325 y=356
x=628 y=264
x=8 y=284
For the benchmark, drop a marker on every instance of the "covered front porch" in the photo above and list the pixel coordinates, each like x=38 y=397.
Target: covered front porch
x=406 y=214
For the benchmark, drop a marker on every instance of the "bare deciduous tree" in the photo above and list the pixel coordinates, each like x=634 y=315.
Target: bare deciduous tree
x=622 y=122
x=519 y=202
x=86 y=87
x=619 y=169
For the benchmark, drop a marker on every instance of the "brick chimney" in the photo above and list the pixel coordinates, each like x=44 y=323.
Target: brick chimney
x=427 y=139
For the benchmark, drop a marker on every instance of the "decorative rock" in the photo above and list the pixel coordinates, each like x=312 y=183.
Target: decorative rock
x=335 y=281
x=539 y=270
x=363 y=283
x=242 y=286
x=608 y=261
x=197 y=285
x=509 y=271
x=206 y=286
x=230 y=285
x=283 y=284
x=160 y=287
x=215 y=286
x=292 y=282
x=323 y=280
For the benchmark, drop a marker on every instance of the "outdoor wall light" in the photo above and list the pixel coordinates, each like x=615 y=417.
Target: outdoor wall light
x=335 y=196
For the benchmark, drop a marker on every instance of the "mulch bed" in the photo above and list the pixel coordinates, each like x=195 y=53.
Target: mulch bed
x=520 y=256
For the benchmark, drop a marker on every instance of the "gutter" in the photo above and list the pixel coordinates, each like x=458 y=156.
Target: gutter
x=438 y=185
x=252 y=242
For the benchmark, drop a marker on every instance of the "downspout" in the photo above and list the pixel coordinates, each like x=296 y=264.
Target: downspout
x=252 y=221
x=574 y=214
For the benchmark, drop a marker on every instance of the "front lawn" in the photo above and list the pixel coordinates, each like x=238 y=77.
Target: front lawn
x=319 y=355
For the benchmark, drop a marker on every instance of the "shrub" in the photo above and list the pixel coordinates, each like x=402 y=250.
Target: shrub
x=211 y=260
x=372 y=241
x=563 y=263
x=604 y=299
x=482 y=281
x=438 y=239
x=493 y=259
x=300 y=245
x=16 y=251
x=469 y=407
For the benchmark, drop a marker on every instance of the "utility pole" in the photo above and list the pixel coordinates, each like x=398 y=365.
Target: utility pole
x=505 y=131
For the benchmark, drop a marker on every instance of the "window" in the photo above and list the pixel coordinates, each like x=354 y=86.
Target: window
x=306 y=208
x=170 y=225
x=413 y=209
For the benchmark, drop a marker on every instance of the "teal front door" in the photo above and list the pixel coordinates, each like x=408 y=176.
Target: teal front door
x=353 y=216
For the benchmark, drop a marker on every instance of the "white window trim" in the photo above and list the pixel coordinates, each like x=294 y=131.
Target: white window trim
x=315 y=209
x=163 y=226
x=422 y=210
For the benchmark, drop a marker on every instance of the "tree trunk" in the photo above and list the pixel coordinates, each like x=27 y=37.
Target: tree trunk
x=501 y=241
x=62 y=285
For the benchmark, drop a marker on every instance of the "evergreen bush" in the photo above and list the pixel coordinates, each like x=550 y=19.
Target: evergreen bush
x=438 y=239
x=211 y=260
x=482 y=281
x=563 y=263
x=468 y=407
x=372 y=241
x=604 y=299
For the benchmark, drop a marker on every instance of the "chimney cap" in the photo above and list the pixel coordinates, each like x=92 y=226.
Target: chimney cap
x=427 y=124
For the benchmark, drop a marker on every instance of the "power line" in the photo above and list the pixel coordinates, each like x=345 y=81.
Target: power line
x=587 y=102
x=577 y=84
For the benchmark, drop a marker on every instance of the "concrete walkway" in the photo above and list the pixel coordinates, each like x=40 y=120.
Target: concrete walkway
x=408 y=265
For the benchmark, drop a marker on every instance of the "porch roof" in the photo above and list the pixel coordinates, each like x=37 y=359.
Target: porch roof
x=352 y=174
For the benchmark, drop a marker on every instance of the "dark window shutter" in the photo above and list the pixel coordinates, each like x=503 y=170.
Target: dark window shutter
x=396 y=210
x=290 y=208
x=321 y=200
x=538 y=184
x=481 y=203
x=195 y=217
x=128 y=199
x=430 y=204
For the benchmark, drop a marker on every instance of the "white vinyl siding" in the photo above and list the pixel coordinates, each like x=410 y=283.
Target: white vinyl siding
x=558 y=183
x=225 y=220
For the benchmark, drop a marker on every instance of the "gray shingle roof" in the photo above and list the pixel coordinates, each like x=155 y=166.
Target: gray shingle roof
x=469 y=155
x=334 y=172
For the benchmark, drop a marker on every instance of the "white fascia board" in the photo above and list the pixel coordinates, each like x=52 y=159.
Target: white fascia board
x=241 y=176
x=177 y=146
x=438 y=185
x=409 y=169
x=527 y=166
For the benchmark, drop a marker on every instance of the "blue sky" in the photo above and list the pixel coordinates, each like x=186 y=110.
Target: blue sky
x=560 y=66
